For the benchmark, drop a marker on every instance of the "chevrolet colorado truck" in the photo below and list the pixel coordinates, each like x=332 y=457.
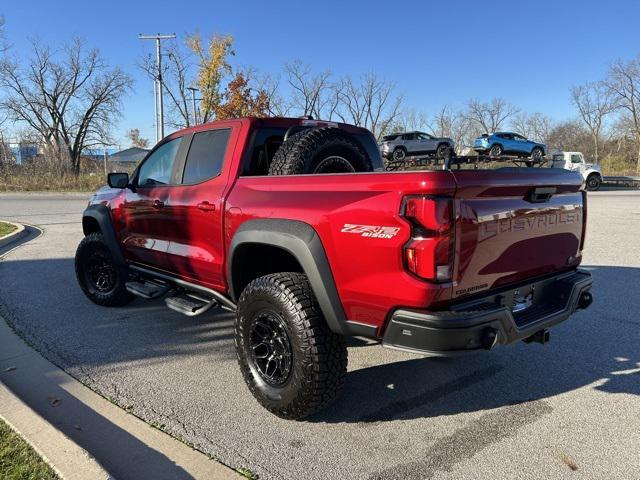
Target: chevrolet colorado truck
x=432 y=262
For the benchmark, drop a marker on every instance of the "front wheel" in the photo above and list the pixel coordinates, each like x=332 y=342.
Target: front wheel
x=593 y=182
x=495 y=151
x=443 y=152
x=101 y=280
x=537 y=154
x=399 y=154
x=293 y=364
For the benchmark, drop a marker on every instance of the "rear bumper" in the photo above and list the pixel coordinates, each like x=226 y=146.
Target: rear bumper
x=482 y=323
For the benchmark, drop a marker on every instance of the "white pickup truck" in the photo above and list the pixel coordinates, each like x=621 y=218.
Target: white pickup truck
x=575 y=161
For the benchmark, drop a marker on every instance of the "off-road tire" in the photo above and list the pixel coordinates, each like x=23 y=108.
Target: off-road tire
x=91 y=249
x=496 y=150
x=319 y=356
x=320 y=150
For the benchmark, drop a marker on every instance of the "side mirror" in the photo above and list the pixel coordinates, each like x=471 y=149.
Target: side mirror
x=118 y=180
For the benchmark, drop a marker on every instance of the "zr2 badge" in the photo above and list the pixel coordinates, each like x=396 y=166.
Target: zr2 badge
x=371 y=231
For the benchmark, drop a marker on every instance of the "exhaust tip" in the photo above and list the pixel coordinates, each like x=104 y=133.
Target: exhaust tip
x=586 y=299
x=489 y=338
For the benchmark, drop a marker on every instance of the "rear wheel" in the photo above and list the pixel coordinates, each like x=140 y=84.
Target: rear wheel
x=101 y=280
x=293 y=364
x=593 y=182
x=495 y=150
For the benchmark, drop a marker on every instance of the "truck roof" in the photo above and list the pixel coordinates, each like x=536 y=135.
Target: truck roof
x=275 y=122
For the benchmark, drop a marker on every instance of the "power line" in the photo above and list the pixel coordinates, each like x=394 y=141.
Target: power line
x=158 y=81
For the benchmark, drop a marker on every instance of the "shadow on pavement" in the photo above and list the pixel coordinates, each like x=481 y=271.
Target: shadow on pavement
x=123 y=455
x=598 y=346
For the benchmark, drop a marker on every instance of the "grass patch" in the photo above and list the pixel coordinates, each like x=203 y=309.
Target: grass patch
x=53 y=183
x=6 y=228
x=18 y=461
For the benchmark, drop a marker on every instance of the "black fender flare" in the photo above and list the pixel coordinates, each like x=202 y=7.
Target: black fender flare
x=101 y=214
x=302 y=241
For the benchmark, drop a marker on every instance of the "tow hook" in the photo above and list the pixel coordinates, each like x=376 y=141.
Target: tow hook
x=541 y=336
x=586 y=299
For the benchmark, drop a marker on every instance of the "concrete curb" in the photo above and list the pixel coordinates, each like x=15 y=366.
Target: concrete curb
x=81 y=434
x=66 y=458
x=13 y=236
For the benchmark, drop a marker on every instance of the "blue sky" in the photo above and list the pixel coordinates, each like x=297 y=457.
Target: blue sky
x=438 y=52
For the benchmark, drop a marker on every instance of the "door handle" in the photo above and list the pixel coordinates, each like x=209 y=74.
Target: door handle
x=206 y=206
x=158 y=204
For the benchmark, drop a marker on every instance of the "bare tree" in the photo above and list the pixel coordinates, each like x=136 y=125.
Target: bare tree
x=535 y=126
x=570 y=135
x=279 y=106
x=594 y=102
x=540 y=127
x=308 y=90
x=408 y=119
x=70 y=97
x=453 y=124
x=370 y=103
x=489 y=116
x=521 y=123
x=623 y=82
x=136 y=140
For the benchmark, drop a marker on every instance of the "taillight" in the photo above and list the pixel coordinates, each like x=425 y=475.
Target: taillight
x=584 y=220
x=429 y=253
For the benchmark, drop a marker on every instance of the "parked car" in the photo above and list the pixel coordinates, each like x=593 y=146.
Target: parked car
x=508 y=143
x=591 y=172
x=399 y=146
x=432 y=262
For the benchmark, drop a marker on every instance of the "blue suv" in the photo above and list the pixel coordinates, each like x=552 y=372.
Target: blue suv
x=508 y=143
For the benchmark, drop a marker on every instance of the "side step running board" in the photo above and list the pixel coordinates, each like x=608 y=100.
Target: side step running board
x=189 y=304
x=147 y=289
x=224 y=301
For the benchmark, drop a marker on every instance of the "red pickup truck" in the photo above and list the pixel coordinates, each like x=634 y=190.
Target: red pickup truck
x=432 y=262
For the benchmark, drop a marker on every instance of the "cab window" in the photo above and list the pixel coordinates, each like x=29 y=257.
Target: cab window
x=576 y=159
x=157 y=169
x=206 y=155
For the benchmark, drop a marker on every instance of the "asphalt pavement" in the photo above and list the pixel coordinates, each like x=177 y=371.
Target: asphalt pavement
x=568 y=409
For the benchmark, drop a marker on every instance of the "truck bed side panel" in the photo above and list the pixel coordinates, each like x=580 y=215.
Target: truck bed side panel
x=358 y=220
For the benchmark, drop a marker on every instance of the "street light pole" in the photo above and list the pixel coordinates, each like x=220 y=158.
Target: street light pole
x=193 y=100
x=158 y=81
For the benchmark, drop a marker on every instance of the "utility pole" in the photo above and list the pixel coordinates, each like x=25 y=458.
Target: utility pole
x=158 y=82
x=193 y=100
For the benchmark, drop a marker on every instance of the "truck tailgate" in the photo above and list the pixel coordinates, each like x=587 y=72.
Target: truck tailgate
x=510 y=231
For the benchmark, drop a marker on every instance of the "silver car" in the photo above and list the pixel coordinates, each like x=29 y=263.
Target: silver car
x=399 y=146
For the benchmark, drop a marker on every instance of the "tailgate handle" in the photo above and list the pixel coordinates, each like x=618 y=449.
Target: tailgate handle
x=540 y=194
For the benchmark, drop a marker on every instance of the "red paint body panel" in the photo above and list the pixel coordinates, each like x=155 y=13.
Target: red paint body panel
x=368 y=272
x=499 y=237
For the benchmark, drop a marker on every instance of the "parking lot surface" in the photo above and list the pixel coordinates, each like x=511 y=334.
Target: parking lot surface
x=568 y=409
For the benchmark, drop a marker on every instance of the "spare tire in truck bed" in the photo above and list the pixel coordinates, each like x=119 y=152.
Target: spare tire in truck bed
x=320 y=150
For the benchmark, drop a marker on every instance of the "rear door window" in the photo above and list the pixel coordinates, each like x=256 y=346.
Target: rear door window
x=206 y=155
